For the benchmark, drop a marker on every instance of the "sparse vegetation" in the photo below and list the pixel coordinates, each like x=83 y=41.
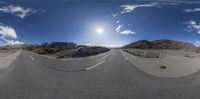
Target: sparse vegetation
x=58 y=49
x=66 y=49
x=163 y=67
x=154 y=49
x=198 y=50
x=187 y=55
x=9 y=48
x=144 y=53
x=88 y=51
x=160 y=44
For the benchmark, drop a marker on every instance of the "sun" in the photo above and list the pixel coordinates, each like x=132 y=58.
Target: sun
x=99 y=30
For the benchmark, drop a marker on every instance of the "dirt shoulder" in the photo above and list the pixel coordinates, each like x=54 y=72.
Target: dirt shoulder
x=7 y=60
x=170 y=66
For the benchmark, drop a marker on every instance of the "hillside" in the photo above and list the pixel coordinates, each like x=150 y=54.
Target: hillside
x=160 y=44
x=66 y=49
x=58 y=49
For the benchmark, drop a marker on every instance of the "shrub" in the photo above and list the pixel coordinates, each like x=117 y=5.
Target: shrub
x=187 y=55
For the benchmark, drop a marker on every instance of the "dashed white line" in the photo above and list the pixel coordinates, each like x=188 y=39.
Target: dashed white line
x=95 y=65
x=31 y=58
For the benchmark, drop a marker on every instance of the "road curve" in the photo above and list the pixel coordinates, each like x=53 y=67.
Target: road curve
x=29 y=77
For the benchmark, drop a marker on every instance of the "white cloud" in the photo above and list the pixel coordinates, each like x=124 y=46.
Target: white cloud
x=192 y=10
x=111 y=45
x=8 y=32
x=118 y=29
x=106 y=44
x=127 y=32
x=121 y=31
x=13 y=42
x=117 y=21
x=115 y=15
x=9 y=35
x=130 y=8
x=178 y=1
x=185 y=2
x=17 y=11
x=87 y=44
x=193 y=26
x=197 y=43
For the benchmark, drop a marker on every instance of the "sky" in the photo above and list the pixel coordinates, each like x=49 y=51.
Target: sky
x=110 y=23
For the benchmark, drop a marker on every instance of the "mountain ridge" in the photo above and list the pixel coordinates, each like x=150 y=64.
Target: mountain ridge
x=160 y=44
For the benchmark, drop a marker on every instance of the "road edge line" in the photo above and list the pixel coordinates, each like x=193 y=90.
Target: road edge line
x=95 y=65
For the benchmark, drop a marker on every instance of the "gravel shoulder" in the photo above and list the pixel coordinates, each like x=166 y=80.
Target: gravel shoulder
x=5 y=61
x=175 y=65
x=4 y=54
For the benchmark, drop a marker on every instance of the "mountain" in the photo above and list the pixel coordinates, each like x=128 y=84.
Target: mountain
x=160 y=44
x=141 y=44
x=11 y=48
x=66 y=49
x=58 y=49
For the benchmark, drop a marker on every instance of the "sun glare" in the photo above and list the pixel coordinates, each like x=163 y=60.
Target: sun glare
x=99 y=31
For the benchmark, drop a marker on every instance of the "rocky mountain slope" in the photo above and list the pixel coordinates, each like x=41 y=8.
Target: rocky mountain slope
x=160 y=44
x=58 y=49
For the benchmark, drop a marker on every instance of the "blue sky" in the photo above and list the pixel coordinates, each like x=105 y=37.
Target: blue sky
x=108 y=23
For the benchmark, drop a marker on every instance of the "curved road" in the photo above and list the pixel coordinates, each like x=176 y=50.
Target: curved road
x=107 y=77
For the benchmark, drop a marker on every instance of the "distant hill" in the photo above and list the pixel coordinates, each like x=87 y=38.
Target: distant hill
x=11 y=48
x=160 y=44
x=66 y=49
x=58 y=49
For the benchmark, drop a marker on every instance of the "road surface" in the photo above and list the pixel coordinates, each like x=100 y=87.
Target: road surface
x=107 y=77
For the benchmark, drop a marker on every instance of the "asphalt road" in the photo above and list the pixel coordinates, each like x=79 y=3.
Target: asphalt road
x=107 y=77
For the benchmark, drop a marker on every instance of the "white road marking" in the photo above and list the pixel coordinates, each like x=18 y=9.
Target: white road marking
x=126 y=58
x=95 y=65
x=31 y=58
